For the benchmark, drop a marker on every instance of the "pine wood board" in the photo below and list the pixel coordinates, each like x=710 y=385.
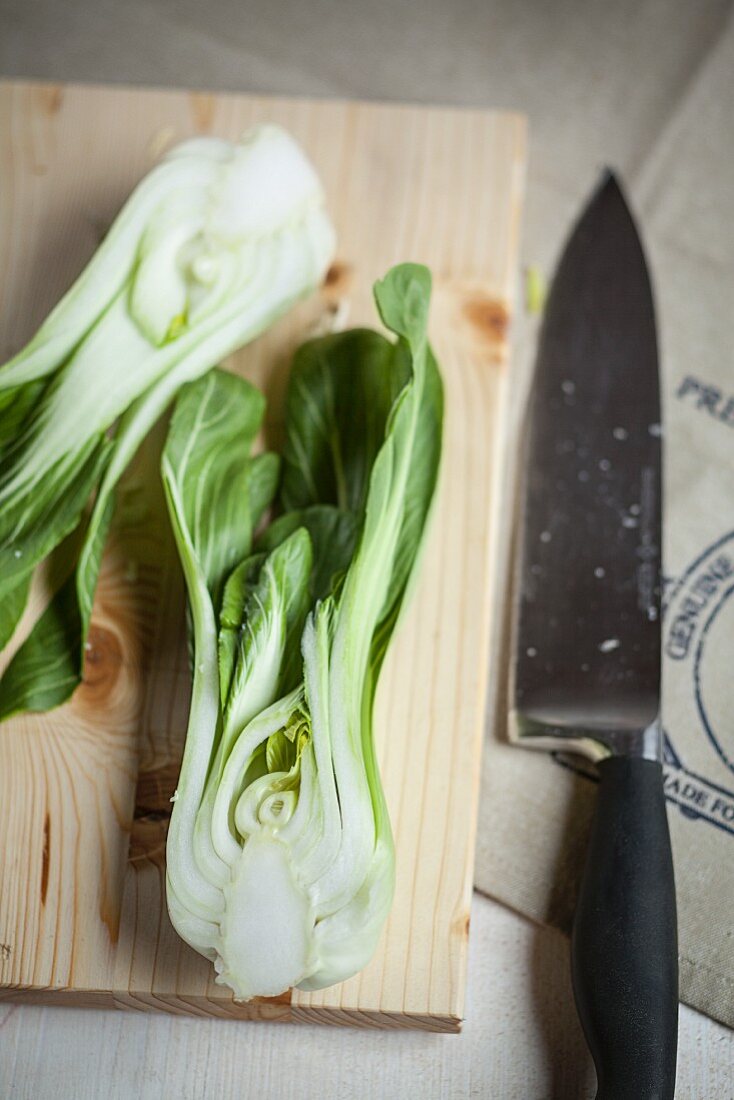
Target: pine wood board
x=85 y=789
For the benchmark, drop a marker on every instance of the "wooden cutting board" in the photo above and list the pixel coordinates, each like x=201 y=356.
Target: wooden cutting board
x=85 y=789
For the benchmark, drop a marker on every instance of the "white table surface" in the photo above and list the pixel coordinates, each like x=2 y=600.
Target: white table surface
x=602 y=83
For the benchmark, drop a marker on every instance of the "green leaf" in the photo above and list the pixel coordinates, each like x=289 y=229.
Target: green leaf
x=334 y=535
x=12 y=606
x=33 y=524
x=48 y=666
x=240 y=584
x=15 y=407
x=223 y=492
x=419 y=494
x=273 y=596
x=263 y=483
x=347 y=394
x=402 y=299
x=341 y=390
x=45 y=670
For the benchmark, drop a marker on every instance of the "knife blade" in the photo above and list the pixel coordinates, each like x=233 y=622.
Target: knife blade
x=585 y=673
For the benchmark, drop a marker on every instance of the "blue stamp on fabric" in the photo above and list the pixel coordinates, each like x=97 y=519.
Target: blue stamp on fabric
x=698 y=635
x=698 y=632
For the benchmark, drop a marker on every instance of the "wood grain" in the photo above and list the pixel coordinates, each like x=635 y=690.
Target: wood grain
x=84 y=790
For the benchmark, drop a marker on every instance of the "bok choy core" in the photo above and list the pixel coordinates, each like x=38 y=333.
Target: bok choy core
x=280 y=862
x=212 y=246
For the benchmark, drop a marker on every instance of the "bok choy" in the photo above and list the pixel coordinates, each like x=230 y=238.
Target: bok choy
x=212 y=246
x=280 y=861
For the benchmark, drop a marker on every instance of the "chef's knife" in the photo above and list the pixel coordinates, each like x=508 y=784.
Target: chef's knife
x=586 y=652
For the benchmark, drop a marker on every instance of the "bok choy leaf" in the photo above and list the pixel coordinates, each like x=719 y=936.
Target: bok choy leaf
x=280 y=861
x=212 y=246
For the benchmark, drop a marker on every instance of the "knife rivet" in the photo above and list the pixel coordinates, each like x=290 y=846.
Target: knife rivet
x=545 y=536
x=621 y=434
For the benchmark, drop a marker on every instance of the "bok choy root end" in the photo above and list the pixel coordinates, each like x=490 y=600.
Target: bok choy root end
x=280 y=860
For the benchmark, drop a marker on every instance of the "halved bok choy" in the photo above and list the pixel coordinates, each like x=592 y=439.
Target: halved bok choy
x=214 y=244
x=280 y=860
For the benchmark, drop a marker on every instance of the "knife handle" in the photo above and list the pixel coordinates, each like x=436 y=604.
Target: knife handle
x=624 y=949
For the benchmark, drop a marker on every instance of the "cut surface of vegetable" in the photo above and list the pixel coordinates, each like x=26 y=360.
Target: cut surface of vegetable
x=213 y=245
x=280 y=860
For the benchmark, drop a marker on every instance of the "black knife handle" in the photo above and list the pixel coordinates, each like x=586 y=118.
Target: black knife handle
x=624 y=948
